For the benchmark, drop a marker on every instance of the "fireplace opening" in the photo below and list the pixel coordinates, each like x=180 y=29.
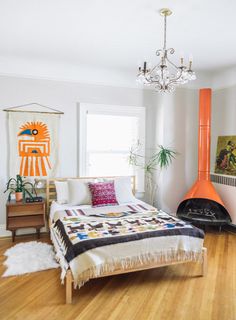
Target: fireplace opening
x=203 y=211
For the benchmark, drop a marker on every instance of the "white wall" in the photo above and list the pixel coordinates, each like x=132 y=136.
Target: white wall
x=64 y=96
x=223 y=124
x=223 y=116
x=173 y=123
x=224 y=78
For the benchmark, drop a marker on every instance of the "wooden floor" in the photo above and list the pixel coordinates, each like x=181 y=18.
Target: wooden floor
x=175 y=292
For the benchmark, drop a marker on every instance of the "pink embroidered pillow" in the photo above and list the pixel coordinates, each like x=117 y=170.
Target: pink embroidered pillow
x=103 y=194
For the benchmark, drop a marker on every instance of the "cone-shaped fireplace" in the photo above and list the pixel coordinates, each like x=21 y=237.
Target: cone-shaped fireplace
x=202 y=204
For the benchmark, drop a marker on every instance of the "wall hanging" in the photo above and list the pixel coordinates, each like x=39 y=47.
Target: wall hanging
x=33 y=140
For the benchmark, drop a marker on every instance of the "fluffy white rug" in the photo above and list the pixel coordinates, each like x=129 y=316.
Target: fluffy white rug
x=29 y=257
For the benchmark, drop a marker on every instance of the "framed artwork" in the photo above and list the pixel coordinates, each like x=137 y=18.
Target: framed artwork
x=226 y=155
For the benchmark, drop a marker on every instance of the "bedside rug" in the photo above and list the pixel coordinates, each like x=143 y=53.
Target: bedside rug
x=29 y=257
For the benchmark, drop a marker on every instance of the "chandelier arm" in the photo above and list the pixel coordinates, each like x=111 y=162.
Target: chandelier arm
x=159 y=52
x=148 y=80
x=170 y=50
x=170 y=62
x=157 y=84
x=155 y=67
x=175 y=80
x=154 y=81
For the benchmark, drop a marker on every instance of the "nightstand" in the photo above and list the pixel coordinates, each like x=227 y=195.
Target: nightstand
x=25 y=215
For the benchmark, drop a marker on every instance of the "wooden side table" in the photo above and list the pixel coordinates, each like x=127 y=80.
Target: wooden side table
x=25 y=215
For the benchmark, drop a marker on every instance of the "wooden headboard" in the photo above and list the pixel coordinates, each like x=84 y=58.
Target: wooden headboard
x=51 y=189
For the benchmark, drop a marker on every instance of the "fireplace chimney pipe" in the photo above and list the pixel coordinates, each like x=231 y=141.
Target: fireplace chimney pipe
x=204 y=134
x=203 y=188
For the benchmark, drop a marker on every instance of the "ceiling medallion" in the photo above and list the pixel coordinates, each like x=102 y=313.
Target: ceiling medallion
x=166 y=75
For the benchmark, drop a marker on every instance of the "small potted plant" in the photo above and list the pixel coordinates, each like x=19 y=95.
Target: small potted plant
x=20 y=188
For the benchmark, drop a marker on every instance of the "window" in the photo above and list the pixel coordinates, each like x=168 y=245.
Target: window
x=106 y=135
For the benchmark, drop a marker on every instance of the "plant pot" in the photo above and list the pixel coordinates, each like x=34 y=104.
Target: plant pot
x=19 y=196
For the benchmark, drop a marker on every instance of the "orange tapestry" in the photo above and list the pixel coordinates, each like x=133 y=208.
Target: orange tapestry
x=34 y=149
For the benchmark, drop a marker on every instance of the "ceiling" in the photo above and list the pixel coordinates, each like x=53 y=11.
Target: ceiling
x=117 y=34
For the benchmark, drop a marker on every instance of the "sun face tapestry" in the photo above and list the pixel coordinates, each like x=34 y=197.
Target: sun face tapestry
x=33 y=141
x=226 y=155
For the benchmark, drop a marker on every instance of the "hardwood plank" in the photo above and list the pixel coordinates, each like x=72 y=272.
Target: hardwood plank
x=172 y=292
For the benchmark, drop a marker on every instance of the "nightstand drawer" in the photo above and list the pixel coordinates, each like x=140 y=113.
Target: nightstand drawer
x=25 y=222
x=21 y=213
x=25 y=210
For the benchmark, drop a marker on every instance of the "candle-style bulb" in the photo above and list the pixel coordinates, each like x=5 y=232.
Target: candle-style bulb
x=145 y=67
x=190 y=65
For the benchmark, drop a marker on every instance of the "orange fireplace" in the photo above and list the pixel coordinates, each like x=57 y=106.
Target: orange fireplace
x=202 y=203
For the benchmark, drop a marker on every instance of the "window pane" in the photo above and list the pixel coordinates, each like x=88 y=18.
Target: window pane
x=109 y=164
x=111 y=132
x=109 y=139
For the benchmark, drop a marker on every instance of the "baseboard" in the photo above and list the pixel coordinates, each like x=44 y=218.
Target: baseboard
x=6 y=233
x=3 y=231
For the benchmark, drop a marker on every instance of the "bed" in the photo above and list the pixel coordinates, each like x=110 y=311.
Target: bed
x=103 y=241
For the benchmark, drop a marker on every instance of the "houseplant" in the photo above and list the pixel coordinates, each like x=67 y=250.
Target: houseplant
x=161 y=157
x=20 y=188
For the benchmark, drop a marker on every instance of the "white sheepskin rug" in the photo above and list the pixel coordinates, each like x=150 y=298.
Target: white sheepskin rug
x=29 y=257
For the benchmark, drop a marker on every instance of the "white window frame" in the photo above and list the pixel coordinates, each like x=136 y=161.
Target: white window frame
x=85 y=108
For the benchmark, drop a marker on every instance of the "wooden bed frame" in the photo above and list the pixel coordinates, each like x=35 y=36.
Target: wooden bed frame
x=51 y=195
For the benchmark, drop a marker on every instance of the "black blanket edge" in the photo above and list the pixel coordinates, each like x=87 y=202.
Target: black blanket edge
x=85 y=245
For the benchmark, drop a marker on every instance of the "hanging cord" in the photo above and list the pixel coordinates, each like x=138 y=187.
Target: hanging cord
x=164 y=48
x=53 y=111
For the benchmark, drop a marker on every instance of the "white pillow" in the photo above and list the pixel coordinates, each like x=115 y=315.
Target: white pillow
x=79 y=192
x=123 y=189
x=62 y=191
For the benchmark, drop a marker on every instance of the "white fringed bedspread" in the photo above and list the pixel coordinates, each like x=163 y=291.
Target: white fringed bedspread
x=180 y=242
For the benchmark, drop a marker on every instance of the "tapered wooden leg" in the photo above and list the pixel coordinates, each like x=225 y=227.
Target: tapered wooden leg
x=204 y=261
x=69 y=283
x=13 y=235
x=38 y=233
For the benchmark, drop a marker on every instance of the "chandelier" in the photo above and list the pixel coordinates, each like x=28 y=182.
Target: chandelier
x=166 y=75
